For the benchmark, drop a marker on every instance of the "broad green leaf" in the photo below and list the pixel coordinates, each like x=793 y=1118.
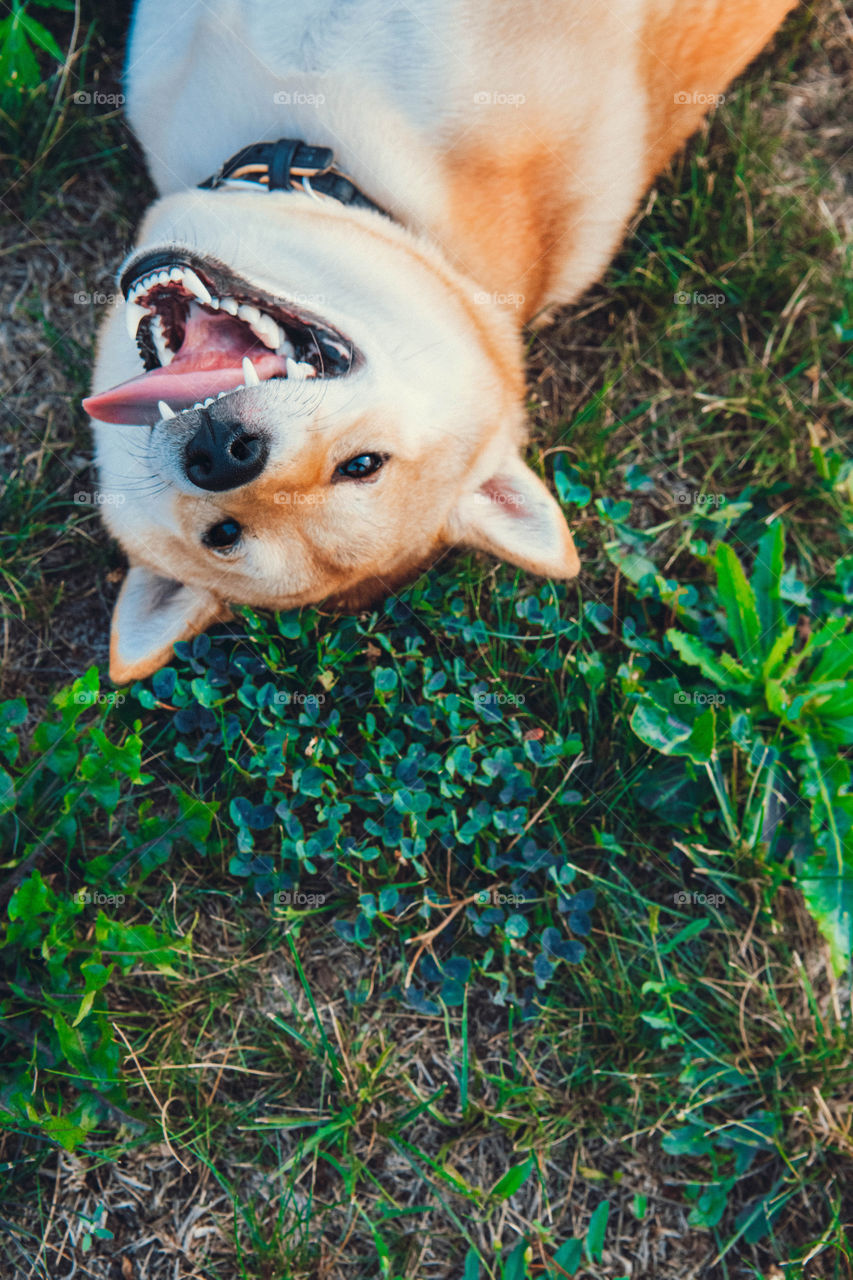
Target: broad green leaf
x=659 y=728
x=766 y=578
x=596 y=1232
x=7 y=792
x=827 y=878
x=739 y=603
x=512 y=1180
x=697 y=654
x=779 y=650
x=515 y=1267
x=472 y=1265
x=699 y=747
x=689 y=1140
x=568 y=1258
x=710 y=1206
x=30 y=898
x=836 y=660
x=41 y=36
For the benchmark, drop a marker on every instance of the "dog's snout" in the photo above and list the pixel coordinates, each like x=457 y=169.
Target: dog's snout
x=223 y=455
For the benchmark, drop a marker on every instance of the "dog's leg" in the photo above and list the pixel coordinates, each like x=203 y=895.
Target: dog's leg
x=690 y=52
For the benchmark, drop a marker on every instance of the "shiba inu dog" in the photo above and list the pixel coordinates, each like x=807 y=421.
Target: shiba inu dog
x=312 y=383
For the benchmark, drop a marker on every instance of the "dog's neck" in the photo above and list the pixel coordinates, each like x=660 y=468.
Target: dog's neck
x=289 y=164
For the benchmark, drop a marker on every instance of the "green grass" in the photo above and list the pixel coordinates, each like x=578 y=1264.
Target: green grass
x=266 y=1064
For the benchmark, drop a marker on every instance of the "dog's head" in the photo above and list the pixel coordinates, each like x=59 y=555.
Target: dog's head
x=311 y=405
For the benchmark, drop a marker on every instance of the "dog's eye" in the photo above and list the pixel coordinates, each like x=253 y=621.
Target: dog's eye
x=358 y=468
x=223 y=536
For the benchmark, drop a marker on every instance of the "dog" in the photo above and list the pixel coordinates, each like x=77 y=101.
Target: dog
x=312 y=384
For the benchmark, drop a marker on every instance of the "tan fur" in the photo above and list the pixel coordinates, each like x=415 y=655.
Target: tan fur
x=698 y=55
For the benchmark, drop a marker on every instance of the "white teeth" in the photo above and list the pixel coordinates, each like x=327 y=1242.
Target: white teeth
x=195 y=286
x=176 y=274
x=285 y=348
x=214 y=302
x=133 y=314
x=230 y=305
x=165 y=411
x=268 y=331
x=250 y=373
x=165 y=354
x=300 y=370
x=248 y=313
x=162 y=277
x=209 y=400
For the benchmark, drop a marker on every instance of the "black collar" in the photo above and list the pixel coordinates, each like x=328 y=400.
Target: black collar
x=291 y=165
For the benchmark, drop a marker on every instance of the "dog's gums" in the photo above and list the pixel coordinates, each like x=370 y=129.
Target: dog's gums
x=199 y=343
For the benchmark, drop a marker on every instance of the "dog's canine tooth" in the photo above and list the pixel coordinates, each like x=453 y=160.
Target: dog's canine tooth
x=230 y=305
x=250 y=373
x=165 y=412
x=133 y=315
x=267 y=330
x=195 y=286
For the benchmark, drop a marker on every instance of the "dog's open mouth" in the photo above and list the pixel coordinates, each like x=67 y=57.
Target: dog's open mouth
x=203 y=333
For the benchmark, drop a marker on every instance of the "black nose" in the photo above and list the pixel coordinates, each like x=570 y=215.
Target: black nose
x=223 y=455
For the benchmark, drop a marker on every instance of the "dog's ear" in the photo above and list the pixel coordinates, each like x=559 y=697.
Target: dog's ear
x=151 y=613
x=513 y=516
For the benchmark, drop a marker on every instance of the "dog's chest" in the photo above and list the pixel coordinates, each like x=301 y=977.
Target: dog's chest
x=205 y=79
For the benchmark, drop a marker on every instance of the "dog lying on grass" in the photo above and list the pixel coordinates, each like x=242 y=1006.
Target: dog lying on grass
x=313 y=384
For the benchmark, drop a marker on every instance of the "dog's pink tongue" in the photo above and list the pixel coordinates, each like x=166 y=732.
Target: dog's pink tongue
x=210 y=360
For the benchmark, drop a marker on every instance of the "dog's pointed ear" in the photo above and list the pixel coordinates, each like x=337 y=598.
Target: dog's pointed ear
x=150 y=615
x=513 y=516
